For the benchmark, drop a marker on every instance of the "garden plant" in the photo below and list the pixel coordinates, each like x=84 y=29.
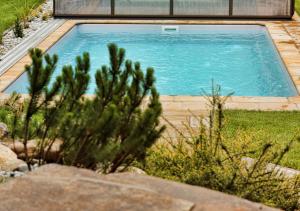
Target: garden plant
x=108 y=131
x=201 y=156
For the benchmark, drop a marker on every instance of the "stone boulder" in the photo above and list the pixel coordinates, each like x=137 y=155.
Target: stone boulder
x=3 y=130
x=33 y=148
x=270 y=167
x=54 y=187
x=18 y=148
x=9 y=160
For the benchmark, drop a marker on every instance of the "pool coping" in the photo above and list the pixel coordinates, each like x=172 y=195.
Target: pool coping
x=20 y=50
x=283 y=41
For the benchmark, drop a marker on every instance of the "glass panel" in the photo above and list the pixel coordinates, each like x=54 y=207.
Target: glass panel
x=181 y=7
x=201 y=7
x=142 y=7
x=261 y=7
x=82 y=7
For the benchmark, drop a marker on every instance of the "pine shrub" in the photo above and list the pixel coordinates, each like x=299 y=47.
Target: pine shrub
x=18 y=28
x=107 y=131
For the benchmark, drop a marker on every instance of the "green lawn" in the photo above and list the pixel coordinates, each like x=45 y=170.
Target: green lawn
x=298 y=6
x=262 y=127
x=8 y=11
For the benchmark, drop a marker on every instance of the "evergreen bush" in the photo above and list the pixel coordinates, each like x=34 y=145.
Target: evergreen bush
x=106 y=131
x=18 y=28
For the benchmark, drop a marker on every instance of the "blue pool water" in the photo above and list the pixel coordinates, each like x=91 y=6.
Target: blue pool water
x=242 y=59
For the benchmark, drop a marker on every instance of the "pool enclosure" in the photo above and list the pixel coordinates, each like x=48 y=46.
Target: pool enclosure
x=175 y=8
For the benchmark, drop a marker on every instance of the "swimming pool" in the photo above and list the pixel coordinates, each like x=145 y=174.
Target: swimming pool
x=186 y=58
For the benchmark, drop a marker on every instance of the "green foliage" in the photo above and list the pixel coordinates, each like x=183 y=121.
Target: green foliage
x=18 y=28
x=297 y=5
x=202 y=157
x=10 y=8
x=106 y=131
x=24 y=10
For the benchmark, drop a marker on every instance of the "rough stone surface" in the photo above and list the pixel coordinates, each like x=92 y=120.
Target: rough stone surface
x=3 y=130
x=8 y=159
x=136 y=170
x=131 y=169
x=10 y=174
x=32 y=148
x=54 y=187
x=18 y=148
x=280 y=170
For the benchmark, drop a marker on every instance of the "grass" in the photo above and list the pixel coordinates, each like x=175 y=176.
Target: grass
x=8 y=11
x=259 y=127
x=298 y=6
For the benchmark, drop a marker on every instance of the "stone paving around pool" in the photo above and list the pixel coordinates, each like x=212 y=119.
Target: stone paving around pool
x=285 y=34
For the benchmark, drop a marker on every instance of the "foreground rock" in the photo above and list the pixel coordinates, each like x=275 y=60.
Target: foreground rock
x=55 y=187
x=8 y=159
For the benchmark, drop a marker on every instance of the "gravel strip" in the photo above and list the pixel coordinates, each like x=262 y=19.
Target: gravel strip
x=9 y=39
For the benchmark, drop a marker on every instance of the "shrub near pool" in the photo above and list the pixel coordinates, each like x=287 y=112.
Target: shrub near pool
x=206 y=157
x=106 y=132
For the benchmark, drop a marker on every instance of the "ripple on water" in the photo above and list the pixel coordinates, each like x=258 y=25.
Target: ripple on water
x=239 y=59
